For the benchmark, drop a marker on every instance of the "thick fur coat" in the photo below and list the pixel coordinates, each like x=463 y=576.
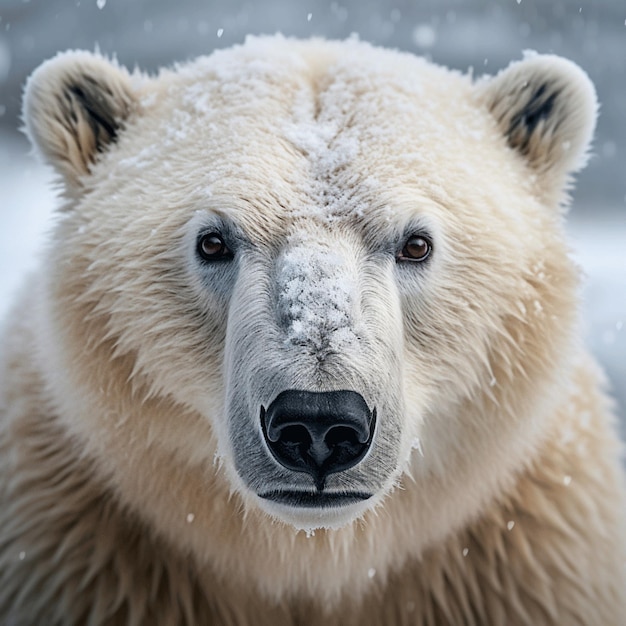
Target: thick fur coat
x=319 y=217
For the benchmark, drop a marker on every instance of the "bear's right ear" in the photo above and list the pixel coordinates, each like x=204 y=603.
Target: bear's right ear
x=546 y=109
x=75 y=104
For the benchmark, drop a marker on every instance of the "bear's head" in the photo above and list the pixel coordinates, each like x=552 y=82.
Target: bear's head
x=291 y=277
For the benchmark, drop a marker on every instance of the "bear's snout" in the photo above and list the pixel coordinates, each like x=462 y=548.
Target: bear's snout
x=319 y=433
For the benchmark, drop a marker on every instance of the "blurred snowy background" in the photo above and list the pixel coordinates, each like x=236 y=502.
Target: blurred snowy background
x=482 y=34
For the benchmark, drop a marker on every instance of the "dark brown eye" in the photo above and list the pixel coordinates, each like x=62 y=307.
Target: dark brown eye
x=417 y=248
x=211 y=247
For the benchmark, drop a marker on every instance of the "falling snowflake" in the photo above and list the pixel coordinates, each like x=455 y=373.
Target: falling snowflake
x=424 y=36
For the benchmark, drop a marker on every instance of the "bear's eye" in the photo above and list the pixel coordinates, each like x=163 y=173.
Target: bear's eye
x=211 y=247
x=416 y=248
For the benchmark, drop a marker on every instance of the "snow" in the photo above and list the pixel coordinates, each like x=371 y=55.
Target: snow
x=424 y=36
x=417 y=445
x=315 y=297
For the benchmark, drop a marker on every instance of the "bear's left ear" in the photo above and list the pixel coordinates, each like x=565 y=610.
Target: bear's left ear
x=75 y=105
x=546 y=107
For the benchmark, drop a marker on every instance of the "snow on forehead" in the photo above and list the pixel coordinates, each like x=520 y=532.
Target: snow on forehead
x=332 y=74
x=335 y=121
x=242 y=75
x=353 y=125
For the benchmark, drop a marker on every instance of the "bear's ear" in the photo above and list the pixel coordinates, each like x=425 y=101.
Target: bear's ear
x=546 y=107
x=75 y=105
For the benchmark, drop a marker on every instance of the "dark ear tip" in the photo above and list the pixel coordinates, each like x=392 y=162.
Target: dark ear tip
x=65 y=93
x=542 y=104
x=104 y=110
x=63 y=67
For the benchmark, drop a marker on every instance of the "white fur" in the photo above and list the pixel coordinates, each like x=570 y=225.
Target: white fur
x=144 y=365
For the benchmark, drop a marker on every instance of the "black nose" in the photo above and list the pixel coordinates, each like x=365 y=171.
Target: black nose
x=319 y=433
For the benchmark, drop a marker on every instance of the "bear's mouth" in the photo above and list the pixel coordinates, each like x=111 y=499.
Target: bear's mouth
x=308 y=499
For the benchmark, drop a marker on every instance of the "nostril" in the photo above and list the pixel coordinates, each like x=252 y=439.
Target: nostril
x=342 y=435
x=318 y=433
x=294 y=435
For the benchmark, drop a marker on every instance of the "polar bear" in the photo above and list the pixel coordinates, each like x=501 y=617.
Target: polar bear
x=303 y=349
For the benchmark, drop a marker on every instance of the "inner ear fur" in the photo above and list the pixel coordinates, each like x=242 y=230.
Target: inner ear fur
x=75 y=105
x=546 y=107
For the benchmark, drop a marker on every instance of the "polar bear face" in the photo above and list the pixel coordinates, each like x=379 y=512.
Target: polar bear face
x=323 y=266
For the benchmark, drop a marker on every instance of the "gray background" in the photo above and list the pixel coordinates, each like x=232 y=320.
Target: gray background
x=481 y=34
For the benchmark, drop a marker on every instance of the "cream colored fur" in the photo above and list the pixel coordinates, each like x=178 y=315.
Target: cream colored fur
x=119 y=499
